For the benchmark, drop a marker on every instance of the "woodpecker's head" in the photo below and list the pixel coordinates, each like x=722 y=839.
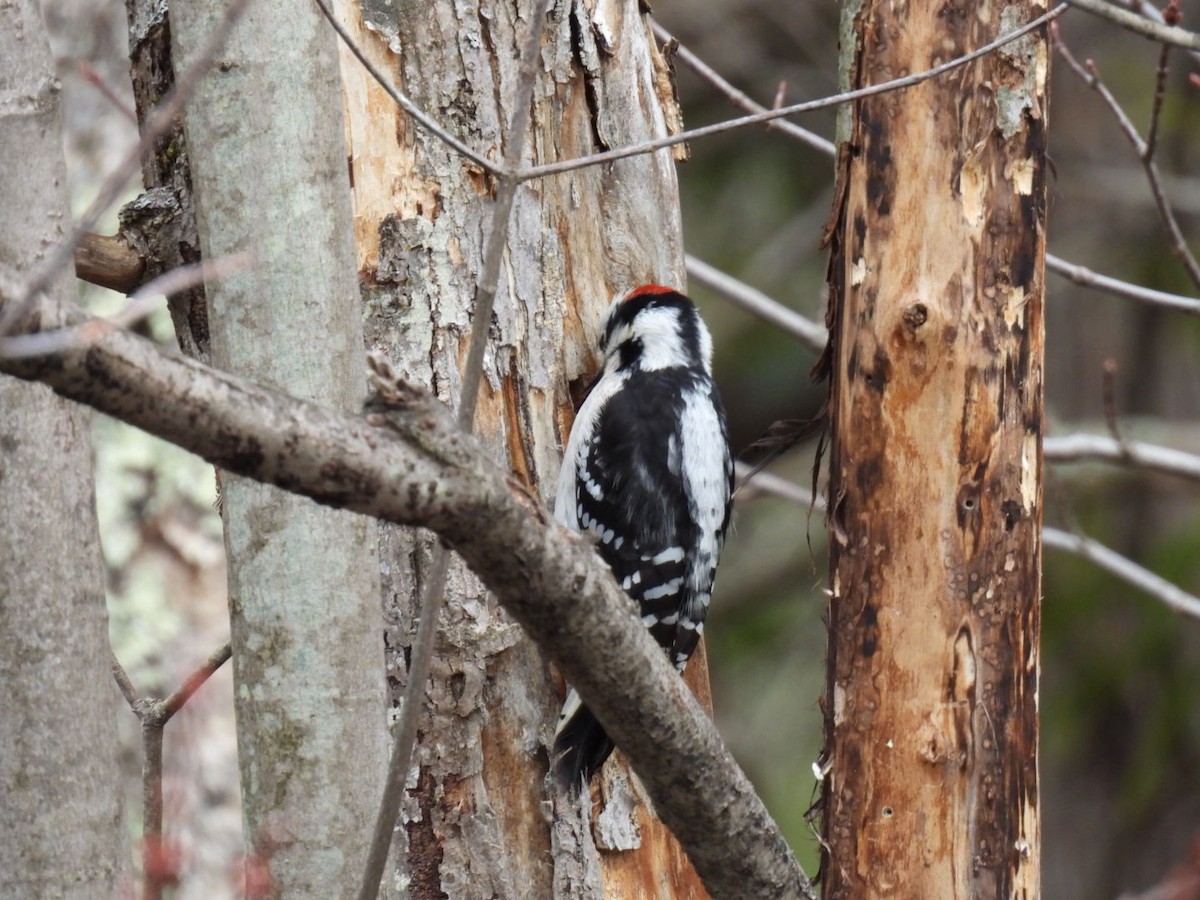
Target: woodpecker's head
x=655 y=327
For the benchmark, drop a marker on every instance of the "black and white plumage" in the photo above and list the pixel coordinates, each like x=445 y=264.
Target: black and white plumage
x=648 y=473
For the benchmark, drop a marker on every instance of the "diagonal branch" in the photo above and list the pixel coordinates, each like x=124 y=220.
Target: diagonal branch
x=809 y=333
x=1156 y=31
x=771 y=115
x=1124 y=568
x=412 y=465
x=1089 y=73
x=1150 y=457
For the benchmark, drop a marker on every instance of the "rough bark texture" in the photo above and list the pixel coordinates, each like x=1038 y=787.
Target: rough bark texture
x=412 y=466
x=161 y=223
x=935 y=470
x=60 y=815
x=421 y=214
x=265 y=135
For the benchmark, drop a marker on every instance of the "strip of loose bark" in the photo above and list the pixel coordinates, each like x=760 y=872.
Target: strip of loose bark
x=413 y=466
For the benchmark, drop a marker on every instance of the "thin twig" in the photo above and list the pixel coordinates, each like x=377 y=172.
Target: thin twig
x=1160 y=91
x=1087 y=278
x=1090 y=75
x=141 y=304
x=1093 y=551
x=1082 y=447
x=739 y=99
x=1125 y=569
x=403 y=101
x=754 y=301
x=1149 y=11
x=1108 y=397
x=128 y=691
x=1080 y=275
x=751 y=484
x=130 y=165
x=433 y=594
x=1165 y=34
x=92 y=77
x=773 y=114
x=194 y=682
x=157 y=862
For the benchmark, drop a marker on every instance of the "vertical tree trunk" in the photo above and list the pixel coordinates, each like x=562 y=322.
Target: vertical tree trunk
x=268 y=164
x=935 y=470
x=421 y=213
x=60 y=815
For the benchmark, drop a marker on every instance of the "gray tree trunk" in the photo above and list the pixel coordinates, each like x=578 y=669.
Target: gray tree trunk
x=421 y=215
x=269 y=172
x=60 y=815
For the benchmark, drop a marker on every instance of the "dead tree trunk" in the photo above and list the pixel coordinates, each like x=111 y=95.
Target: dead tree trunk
x=421 y=213
x=935 y=469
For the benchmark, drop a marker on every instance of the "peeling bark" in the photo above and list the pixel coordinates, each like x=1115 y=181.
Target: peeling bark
x=935 y=468
x=420 y=217
x=161 y=224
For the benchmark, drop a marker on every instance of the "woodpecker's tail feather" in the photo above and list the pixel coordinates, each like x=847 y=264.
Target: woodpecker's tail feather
x=580 y=745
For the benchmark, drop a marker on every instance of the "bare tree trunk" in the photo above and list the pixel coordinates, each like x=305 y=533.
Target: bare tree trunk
x=935 y=470
x=420 y=218
x=60 y=816
x=265 y=136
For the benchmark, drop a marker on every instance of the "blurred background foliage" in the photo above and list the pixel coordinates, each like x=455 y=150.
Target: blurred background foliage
x=1120 y=769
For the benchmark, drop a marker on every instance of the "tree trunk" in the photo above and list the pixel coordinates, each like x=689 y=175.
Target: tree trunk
x=935 y=469
x=60 y=817
x=421 y=215
x=268 y=165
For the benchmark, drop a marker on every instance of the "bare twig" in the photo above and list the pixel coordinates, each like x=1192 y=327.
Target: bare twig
x=1125 y=569
x=403 y=101
x=1160 y=86
x=744 y=101
x=752 y=484
x=1082 y=447
x=141 y=303
x=92 y=77
x=1087 y=278
x=1149 y=11
x=130 y=165
x=773 y=114
x=128 y=691
x=157 y=862
x=1165 y=34
x=432 y=595
x=194 y=682
x=1080 y=275
x=1109 y=560
x=1090 y=75
x=808 y=332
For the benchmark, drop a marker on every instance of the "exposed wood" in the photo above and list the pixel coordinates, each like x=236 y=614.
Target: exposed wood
x=935 y=467
x=109 y=261
x=420 y=214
